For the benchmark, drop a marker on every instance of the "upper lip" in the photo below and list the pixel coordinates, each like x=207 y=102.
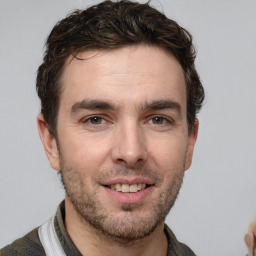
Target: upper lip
x=128 y=180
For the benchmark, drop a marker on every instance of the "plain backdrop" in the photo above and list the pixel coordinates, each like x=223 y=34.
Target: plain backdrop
x=218 y=197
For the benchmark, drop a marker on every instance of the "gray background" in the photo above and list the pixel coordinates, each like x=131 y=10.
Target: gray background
x=218 y=197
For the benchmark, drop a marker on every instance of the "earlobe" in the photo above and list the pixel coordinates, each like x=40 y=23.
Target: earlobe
x=191 y=144
x=49 y=143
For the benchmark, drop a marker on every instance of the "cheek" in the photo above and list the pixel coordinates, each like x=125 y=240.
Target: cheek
x=84 y=153
x=169 y=153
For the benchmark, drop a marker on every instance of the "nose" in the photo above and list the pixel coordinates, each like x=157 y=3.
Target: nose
x=129 y=146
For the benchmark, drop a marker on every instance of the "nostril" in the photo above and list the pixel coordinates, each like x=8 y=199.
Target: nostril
x=137 y=164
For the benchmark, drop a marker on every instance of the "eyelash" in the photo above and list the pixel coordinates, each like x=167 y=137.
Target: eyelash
x=165 y=121
x=162 y=118
x=90 y=119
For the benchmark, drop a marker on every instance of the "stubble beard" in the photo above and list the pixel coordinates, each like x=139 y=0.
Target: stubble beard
x=131 y=225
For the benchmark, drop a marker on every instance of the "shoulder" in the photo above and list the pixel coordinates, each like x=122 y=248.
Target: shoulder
x=186 y=250
x=174 y=246
x=28 y=245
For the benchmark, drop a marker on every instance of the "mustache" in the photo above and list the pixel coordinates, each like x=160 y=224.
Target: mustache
x=121 y=171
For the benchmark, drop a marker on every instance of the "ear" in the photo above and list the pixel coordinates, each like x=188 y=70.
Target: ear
x=191 y=144
x=49 y=143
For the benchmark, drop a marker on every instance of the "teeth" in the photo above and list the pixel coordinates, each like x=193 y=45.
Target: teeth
x=133 y=188
x=118 y=187
x=126 y=188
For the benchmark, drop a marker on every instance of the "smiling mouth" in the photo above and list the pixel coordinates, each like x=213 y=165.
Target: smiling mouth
x=126 y=188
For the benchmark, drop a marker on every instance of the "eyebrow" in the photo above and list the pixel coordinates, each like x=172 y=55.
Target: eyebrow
x=162 y=104
x=91 y=104
x=104 y=105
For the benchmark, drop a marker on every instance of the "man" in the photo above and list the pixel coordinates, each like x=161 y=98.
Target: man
x=119 y=96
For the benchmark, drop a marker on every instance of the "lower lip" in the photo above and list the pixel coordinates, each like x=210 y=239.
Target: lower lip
x=129 y=198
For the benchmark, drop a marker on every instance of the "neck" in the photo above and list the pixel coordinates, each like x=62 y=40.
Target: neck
x=90 y=241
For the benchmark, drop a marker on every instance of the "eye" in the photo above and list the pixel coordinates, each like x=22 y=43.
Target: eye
x=95 y=120
x=158 y=120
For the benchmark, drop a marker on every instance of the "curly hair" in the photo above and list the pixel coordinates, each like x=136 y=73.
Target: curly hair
x=113 y=25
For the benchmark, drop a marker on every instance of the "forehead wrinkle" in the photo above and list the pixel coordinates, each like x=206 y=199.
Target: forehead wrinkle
x=138 y=77
x=131 y=79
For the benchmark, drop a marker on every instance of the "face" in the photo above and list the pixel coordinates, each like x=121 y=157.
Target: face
x=123 y=141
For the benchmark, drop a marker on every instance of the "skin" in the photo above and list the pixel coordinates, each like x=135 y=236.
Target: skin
x=250 y=238
x=129 y=139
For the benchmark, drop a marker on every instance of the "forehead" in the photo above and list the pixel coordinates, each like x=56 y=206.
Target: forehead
x=134 y=73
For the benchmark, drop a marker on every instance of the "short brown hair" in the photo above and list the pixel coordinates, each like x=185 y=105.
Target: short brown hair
x=112 y=25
